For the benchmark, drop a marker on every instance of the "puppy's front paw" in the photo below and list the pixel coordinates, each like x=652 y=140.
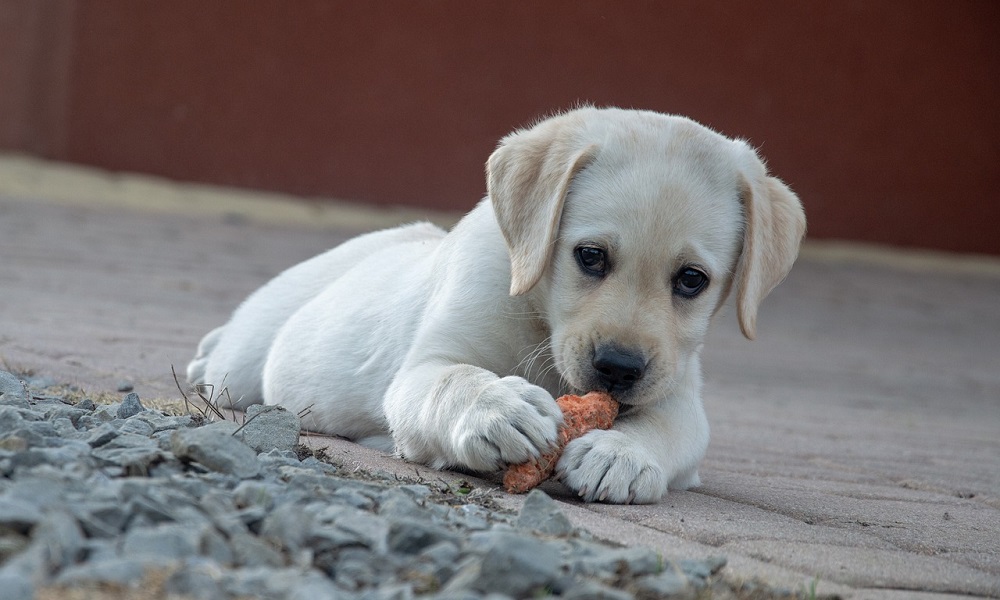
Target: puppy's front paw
x=510 y=422
x=606 y=466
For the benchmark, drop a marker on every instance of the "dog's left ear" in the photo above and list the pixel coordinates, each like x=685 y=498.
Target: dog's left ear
x=527 y=178
x=774 y=226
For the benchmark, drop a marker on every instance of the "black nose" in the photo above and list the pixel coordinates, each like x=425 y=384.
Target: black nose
x=618 y=369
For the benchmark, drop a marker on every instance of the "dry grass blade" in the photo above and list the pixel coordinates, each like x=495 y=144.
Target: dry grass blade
x=177 y=382
x=208 y=403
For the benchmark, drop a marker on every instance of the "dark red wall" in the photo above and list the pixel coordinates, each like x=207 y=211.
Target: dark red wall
x=882 y=115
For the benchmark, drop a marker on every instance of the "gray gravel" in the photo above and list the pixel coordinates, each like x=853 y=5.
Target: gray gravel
x=124 y=497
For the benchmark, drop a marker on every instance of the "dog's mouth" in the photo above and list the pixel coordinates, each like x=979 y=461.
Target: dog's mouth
x=629 y=394
x=624 y=406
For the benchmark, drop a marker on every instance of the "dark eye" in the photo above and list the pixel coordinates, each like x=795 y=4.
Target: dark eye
x=592 y=260
x=690 y=282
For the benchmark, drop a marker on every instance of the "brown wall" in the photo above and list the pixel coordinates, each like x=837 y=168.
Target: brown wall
x=882 y=115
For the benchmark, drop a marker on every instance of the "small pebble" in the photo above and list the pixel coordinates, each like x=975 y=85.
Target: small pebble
x=12 y=389
x=130 y=406
x=540 y=513
x=270 y=428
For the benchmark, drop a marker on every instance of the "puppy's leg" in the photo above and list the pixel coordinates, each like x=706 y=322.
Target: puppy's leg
x=458 y=415
x=646 y=452
x=199 y=364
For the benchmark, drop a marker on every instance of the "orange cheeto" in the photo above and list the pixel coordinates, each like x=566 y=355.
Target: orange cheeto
x=596 y=410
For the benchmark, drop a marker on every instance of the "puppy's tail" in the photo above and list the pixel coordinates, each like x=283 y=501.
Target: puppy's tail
x=199 y=364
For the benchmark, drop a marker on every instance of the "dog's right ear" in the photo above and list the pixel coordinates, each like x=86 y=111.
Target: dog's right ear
x=527 y=178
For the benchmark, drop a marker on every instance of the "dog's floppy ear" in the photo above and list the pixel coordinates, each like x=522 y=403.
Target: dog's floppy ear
x=527 y=178
x=774 y=226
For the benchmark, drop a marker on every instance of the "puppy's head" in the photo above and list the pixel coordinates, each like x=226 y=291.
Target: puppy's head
x=630 y=228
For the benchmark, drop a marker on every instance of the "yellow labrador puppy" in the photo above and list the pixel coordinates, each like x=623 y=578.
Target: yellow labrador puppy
x=607 y=241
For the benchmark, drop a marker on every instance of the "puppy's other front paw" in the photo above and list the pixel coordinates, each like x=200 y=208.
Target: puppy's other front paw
x=510 y=422
x=606 y=466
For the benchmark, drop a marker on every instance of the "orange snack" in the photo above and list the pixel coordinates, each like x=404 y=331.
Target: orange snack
x=596 y=410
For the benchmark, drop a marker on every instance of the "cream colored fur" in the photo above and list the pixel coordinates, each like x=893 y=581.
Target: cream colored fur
x=448 y=348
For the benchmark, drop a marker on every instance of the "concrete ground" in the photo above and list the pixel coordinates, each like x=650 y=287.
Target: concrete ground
x=855 y=446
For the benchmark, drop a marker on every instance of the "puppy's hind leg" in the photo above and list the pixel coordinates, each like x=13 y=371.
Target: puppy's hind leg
x=234 y=356
x=199 y=364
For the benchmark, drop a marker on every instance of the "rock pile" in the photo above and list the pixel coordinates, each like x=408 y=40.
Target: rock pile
x=117 y=496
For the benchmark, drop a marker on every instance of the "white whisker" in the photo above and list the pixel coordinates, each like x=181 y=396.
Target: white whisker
x=537 y=358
